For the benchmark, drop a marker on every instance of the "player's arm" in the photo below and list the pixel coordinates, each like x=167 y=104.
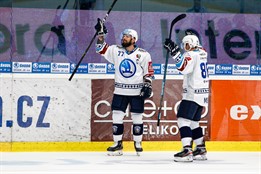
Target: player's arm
x=101 y=30
x=146 y=91
x=185 y=64
x=182 y=61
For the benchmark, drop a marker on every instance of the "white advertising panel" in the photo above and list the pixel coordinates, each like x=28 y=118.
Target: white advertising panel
x=44 y=109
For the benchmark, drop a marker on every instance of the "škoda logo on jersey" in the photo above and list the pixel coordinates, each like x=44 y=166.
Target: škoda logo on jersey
x=127 y=68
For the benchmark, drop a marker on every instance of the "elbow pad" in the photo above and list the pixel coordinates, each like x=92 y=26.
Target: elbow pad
x=179 y=59
x=101 y=47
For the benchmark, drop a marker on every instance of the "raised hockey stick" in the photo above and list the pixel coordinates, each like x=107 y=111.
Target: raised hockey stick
x=94 y=36
x=178 y=18
x=56 y=21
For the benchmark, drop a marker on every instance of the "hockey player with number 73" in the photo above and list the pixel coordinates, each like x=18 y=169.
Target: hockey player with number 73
x=133 y=78
x=193 y=65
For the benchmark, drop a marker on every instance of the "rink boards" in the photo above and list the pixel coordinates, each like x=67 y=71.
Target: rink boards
x=49 y=113
x=40 y=110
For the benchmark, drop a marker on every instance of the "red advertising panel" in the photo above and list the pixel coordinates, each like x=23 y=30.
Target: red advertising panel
x=101 y=119
x=235 y=110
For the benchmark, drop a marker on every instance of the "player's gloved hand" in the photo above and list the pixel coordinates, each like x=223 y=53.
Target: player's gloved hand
x=146 y=91
x=171 y=46
x=100 y=28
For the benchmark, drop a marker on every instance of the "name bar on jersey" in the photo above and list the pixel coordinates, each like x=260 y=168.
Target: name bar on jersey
x=108 y=68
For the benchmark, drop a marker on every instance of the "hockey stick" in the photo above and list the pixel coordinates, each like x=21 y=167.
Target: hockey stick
x=178 y=18
x=94 y=36
x=56 y=20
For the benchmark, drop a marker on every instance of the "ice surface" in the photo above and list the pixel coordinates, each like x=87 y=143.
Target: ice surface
x=147 y=163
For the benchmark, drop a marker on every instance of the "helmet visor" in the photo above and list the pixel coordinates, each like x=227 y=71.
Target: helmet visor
x=130 y=33
x=185 y=46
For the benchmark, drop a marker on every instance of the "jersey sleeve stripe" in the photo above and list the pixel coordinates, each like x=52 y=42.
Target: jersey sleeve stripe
x=184 y=64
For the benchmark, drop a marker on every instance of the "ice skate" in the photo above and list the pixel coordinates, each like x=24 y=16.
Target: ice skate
x=115 y=149
x=200 y=153
x=184 y=156
x=138 y=148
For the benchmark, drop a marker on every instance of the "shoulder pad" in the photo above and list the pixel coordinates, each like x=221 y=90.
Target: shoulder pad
x=142 y=50
x=189 y=54
x=203 y=53
x=119 y=46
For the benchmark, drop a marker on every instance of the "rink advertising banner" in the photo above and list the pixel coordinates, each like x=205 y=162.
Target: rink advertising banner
x=236 y=110
x=61 y=36
x=50 y=42
x=44 y=110
x=101 y=117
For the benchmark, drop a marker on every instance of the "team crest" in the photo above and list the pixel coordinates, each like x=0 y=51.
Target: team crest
x=127 y=68
x=137 y=129
x=138 y=58
x=114 y=129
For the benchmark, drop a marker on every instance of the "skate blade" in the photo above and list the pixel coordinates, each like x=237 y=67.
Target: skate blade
x=115 y=153
x=200 y=157
x=138 y=153
x=183 y=159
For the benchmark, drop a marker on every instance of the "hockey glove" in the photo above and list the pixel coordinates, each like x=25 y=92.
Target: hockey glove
x=172 y=47
x=100 y=28
x=146 y=91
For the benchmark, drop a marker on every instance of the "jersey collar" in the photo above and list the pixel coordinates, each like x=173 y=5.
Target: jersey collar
x=130 y=52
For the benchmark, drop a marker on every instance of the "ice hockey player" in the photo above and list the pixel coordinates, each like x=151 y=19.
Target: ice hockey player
x=133 y=83
x=193 y=65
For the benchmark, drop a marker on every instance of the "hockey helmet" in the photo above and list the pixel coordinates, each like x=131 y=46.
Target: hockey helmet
x=130 y=32
x=191 y=40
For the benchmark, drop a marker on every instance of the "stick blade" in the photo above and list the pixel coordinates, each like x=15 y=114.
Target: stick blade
x=178 y=18
x=174 y=21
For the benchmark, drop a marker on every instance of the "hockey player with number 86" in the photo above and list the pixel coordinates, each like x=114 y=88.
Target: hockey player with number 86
x=193 y=65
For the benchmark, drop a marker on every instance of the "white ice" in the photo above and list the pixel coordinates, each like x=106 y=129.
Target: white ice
x=147 y=163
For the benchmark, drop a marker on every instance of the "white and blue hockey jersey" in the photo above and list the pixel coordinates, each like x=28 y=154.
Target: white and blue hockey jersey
x=130 y=68
x=193 y=65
